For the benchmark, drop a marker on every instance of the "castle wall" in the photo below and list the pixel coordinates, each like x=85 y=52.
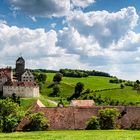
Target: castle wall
x=76 y=117
x=3 y=80
x=22 y=91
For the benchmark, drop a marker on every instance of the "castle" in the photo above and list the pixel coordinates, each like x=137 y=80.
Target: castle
x=21 y=83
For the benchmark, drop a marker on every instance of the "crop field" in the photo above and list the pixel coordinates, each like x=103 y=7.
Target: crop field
x=73 y=135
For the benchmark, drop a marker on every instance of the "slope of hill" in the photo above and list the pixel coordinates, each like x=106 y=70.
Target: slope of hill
x=100 y=85
x=95 y=83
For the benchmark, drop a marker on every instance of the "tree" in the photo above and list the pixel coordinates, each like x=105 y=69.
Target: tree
x=15 y=98
x=121 y=86
x=137 y=81
x=10 y=115
x=108 y=118
x=57 y=77
x=56 y=91
x=37 y=122
x=93 y=123
x=79 y=88
x=42 y=77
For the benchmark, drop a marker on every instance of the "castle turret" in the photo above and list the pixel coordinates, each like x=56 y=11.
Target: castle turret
x=20 y=67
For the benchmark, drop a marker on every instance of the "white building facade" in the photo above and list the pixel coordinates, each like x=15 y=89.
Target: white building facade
x=23 y=90
x=27 y=76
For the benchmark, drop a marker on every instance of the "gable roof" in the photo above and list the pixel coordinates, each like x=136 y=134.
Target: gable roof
x=82 y=103
x=27 y=72
x=20 y=59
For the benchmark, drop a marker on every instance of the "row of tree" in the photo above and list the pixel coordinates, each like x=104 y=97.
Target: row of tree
x=82 y=73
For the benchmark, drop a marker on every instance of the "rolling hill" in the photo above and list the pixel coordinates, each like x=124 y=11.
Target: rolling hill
x=100 y=85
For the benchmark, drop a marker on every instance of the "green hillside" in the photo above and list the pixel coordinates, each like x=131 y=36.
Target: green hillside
x=96 y=83
x=93 y=83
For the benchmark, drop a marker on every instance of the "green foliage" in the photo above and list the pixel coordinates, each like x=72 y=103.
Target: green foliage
x=10 y=115
x=93 y=123
x=121 y=86
x=116 y=81
x=38 y=122
x=82 y=73
x=108 y=118
x=42 y=77
x=57 y=77
x=73 y=73
x=56 y=90
x=15 y=98
x=79 y=87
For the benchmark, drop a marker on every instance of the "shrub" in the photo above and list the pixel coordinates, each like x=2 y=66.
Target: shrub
x=10 y=115
x=93 y=123
x=121 y=86
x=56 y=91
x=57 y=77
x=108 y=118
x=38 y=122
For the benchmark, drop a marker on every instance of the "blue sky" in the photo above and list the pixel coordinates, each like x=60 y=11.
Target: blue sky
x=83 y=34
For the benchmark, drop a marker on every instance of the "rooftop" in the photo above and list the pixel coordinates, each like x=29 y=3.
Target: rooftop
x=82 y=103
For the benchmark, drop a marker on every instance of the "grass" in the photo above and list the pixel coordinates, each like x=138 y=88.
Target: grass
x=91 y=82
x=94 y=83
x=73 y=135
x=28 y=102
x=122 y=95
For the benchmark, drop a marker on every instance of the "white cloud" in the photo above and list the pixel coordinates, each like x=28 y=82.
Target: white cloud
x=105 y=27
x=37 y=47
x=48 y=8
x=82 y=3
x=32 y=43
x=42 y=8
x=94 y=40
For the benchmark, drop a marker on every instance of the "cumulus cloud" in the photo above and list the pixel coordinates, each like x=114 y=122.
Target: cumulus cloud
x=82 y=3
x=104 y=26
x=33 y=44
x=94 y=40
x=48 y=8
x=43 y=8
x=38 y=46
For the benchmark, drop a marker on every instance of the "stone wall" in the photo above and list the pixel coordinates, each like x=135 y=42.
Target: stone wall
x=21 y=91
x=76 y=118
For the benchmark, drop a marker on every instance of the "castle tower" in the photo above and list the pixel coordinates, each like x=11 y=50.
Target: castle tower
x=20 y=67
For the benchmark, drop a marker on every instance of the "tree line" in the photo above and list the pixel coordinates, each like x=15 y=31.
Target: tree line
x=82 y=73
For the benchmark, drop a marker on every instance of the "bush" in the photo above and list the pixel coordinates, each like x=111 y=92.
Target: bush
x=56 y=91
x=121 y=86
x=38 y=122
x=10 y=115
x=57 y=77
x=108 y=118
x=93 y=123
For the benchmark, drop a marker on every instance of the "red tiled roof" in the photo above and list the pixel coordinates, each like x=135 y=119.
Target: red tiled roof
x=5 y=72
x=82 y=103
x=22 y=84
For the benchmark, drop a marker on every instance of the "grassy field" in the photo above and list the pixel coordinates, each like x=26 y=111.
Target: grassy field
x=74 y=135
x=67 y=84
x=92 y=82
x=28 y=102
x=95 y=83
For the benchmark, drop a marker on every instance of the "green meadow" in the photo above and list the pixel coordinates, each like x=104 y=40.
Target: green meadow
x=73 y=135
x=67 y=85
x=94 y=83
